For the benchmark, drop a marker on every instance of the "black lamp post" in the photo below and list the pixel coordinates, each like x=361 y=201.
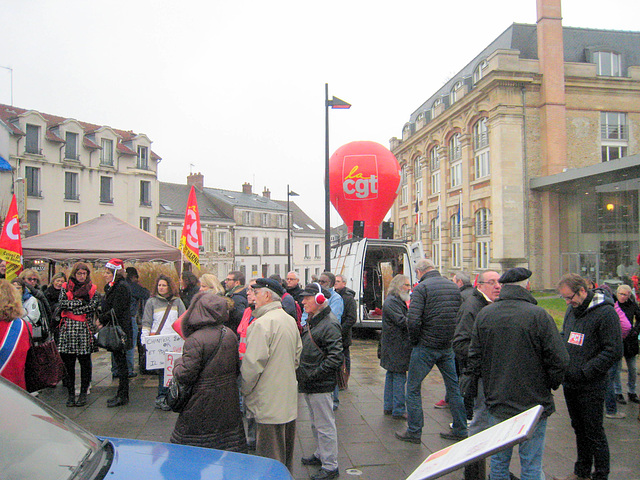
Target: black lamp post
x=290 y=193
x=333 y=103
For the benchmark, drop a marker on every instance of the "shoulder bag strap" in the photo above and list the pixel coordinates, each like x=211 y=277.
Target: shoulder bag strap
x=313 y=341
x=213 y=354
x=164 y=318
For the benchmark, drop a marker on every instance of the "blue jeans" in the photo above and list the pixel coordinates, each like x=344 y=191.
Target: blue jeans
x=631 y=376
x=394 y=392
x=610 y=395
x=422 y=361
x=531 y=452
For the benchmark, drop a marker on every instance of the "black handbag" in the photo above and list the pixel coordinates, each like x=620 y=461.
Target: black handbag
x=111 y=336
x=179 y=394
x=43 y=367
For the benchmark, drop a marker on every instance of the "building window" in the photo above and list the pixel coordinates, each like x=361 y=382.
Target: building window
x=435 y=253
x=435 y=182
x=32 y=176
x=434 y=158
x=455 y=225
x=456 y=174
x=145 y=193
x=143 y=158
x=456 y=254
x=482 y=222
x=244 y=245
x=455 y=94
x=455 y=149
x=71 y=186
x=404 y=174
x=307 y=275
x=419 y=189
x=434 y=107
x=435 y=229
x=417 y=168
x=265 y=219
x=246 y=218
x=254 y=246
x=404 y=195
x=106 y=155
x=480 y=134
x=276 y=269
x=316 y=249
x=70 y=218
x=614 y=135
x=222 y=241
x=609 y=63
x=208 y=240
x=281 y=221
x=307 y=251
x=33 y=220
x=478 y=73
x=265 y=246
x=71 y=146
x=172 y=237
x=32 y=144
x=481 y=157
x=106 y=190
x=482 y=254
x=481 y=164
x=145 y=224
x=404 y=231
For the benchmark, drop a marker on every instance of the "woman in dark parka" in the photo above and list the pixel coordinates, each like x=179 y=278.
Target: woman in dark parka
x=395 y=350
x=210 y=363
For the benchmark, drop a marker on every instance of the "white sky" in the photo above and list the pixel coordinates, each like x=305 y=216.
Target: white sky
x=236 y=87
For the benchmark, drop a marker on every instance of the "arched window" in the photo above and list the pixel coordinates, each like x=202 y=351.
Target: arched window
x=478 y=73
x=404 y=192
x=481 y=157
x=454 y=94
x=434 y=164
x=482 y=223
x=456 y=241
x=455 y=149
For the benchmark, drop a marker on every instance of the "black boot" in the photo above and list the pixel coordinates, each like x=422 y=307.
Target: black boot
x=71 y=399
x=117 y=401
x=82 y=399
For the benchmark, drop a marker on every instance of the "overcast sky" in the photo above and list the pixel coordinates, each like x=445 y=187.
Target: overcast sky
x=236 y=87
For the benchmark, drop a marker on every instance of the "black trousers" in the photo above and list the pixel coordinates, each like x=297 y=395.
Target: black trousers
x=586 y=412
x=69 y=360
x=122 y=369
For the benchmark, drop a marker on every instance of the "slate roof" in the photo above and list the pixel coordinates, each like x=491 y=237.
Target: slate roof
x=245 y=200
x=578 y=42
x=173 y=203
x=302 y=223
x=10 y=113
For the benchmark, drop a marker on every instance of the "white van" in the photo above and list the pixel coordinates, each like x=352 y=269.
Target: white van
x=368 y=266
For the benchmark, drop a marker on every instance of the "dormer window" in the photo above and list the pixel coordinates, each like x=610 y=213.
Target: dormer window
x=609 y=63
x=71 y=146
x=32 y=144
x=143 y=158
x=453 y=96
x=478 y=73
x=106 y=155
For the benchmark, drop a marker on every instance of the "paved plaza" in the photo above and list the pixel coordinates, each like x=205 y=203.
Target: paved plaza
x=367 y=447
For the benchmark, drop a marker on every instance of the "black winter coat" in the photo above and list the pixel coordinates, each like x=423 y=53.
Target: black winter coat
x=630 y=342
x=395 y=350
x=593 y=339
x=240 y=304
x=349 y=315
x=321 y=357
x=432 y=313
x=465 y=320
x=517 y=350
x=118 y=297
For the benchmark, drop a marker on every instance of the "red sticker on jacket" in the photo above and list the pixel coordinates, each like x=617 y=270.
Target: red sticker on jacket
x=576 y=338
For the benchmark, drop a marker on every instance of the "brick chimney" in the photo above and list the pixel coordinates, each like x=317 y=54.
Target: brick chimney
x=553 y=103
x=266 y=193
x=197 y=180
x=246 y=187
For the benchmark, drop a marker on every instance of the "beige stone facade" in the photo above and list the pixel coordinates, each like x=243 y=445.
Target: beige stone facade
x=542 y=118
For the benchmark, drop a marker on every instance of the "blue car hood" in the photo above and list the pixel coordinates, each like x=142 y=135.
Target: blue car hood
x=143 y=460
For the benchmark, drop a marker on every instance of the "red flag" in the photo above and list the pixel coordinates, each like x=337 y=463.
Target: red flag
x=11 y=243
x=191 y=238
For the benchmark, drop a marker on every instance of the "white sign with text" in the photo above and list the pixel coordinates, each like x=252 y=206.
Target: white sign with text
x=158 y=345
x=169 y=361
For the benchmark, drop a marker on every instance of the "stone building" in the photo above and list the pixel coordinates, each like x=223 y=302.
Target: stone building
x=528 y=156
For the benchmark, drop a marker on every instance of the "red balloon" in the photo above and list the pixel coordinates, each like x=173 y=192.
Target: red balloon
x=364 y=178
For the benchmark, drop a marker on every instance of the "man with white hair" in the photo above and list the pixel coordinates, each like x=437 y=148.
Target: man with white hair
x=432 y=320
x=268 y=372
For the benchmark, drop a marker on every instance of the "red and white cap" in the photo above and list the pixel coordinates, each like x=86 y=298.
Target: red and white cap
x=115 y=264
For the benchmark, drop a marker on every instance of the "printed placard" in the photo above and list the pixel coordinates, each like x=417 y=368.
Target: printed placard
x=576 y=338
x=169 y=361
x=158 y=345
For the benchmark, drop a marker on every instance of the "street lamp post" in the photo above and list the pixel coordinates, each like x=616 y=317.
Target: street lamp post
x=333 y=103
x=290 y=193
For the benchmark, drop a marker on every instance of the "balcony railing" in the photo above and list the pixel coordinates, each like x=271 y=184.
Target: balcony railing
x=615 y=132
x=481 y=140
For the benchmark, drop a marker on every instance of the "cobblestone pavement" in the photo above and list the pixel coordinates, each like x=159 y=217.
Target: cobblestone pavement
x=367 y=447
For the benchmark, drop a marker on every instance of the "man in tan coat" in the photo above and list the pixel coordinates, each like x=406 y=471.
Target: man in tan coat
x=268 y=371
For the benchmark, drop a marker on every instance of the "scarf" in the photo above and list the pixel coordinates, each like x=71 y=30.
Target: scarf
x=80 y=290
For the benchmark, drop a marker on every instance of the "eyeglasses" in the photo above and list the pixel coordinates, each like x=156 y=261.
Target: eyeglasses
x=229 y=280
x=322 y=282
x=290 y=279
x=32 y=279
x=568 y=299
x=490 y=282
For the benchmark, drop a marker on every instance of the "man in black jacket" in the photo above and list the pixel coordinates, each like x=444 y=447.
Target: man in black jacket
x=236 y=291
x=431 y=320
x=317 y=377
x=592 y=336
x=517 y=350
x=349 y=316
